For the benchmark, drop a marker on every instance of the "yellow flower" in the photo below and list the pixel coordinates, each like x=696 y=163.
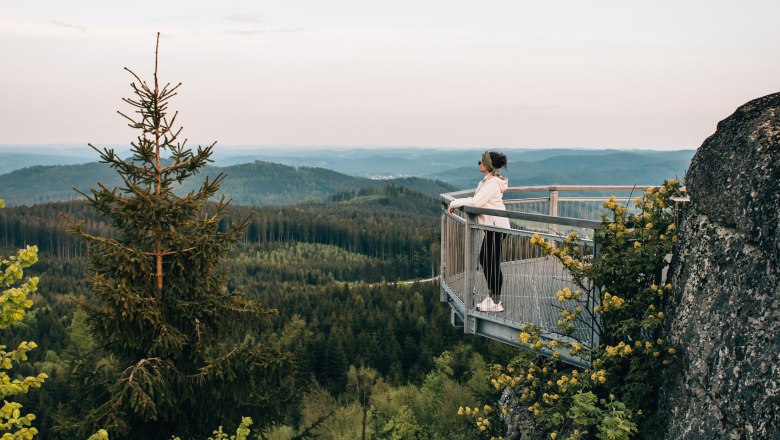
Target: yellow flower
x=637 y=245
x=460 y=411
x=648 y=345
x=649 y=226
x=672 y=350
x=660 y=341
x=524 y=337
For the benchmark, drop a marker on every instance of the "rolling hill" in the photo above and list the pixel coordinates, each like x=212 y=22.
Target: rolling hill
x=258 y=183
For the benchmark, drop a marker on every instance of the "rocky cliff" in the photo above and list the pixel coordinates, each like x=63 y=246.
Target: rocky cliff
x=724 y=309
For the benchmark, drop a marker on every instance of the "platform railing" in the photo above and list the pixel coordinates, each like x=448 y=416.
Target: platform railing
x=531 y=278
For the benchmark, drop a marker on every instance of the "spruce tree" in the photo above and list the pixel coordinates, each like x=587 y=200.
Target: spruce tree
x=186 y=345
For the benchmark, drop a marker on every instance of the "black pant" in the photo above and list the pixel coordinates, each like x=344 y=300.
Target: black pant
x=490 y=260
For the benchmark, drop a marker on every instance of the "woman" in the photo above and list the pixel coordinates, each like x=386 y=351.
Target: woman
x=489 y=195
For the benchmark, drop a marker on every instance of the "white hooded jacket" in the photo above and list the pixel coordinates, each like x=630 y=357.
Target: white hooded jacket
x=489 y=194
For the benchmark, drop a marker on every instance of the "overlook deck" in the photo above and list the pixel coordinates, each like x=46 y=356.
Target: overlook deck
x=531 y=278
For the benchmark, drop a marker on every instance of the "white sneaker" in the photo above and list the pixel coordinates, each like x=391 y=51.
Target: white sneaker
x=494 y=308
x=486 y=303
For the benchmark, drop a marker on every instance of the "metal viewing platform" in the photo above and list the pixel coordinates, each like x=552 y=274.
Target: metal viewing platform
x=531 y=278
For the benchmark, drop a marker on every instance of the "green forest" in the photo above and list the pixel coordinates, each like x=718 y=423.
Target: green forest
x=326 y=269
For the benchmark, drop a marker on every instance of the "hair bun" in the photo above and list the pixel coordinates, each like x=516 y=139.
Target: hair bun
x=498 y=159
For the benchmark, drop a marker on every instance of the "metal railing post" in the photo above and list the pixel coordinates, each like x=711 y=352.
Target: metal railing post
x=469 y=321
x=595 y=338
x=443 y=245
x=554 y=212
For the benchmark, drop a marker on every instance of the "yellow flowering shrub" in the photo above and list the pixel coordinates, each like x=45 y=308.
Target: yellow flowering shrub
x=13 y=305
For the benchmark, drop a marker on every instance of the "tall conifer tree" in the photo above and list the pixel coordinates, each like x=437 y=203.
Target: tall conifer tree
x=185 y=344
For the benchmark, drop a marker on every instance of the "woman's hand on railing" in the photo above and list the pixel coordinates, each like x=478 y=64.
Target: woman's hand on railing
x=450 y=209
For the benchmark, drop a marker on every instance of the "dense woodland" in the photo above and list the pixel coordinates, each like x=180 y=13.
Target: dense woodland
x=321 y=266
x=392 y=224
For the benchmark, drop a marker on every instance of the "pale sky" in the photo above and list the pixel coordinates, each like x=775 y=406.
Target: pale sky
x=596 y=74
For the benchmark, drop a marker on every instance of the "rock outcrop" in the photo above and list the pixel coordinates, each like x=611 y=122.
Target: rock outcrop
x=724 y=309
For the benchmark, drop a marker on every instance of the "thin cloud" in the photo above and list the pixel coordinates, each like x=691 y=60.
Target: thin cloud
x=264 y=31
x=67 y=25
x=287 y=30
x=243 y=17
x=247 y=32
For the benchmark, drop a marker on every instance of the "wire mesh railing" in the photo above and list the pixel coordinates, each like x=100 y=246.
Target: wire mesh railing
x=530 y=277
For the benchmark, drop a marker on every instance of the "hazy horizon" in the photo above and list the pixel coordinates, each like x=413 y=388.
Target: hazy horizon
x=349 y=74
x=46 y=146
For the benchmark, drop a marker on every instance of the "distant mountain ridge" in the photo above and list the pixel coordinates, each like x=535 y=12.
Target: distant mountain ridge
x=423 y=162
x=319 y=174
x=602 y=168
x=258 y=183
x=11 y=160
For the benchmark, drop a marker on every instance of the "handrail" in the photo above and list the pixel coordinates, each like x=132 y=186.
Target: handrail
x=448 y=197
x=565 y=221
